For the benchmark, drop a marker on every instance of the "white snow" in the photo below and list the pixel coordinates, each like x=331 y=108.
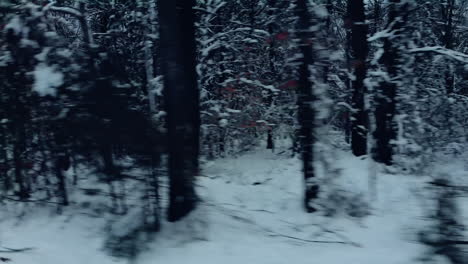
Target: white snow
x=250 y=213
x=15 y=24
x=46 y=79
x=223 y=122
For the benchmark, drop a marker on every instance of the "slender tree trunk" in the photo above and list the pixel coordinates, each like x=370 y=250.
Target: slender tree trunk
x=18 y=113
x=149 y=57
x=221 y=141
x=152 y=199
x=62 y=161
x=270 y=142
x=60 y=166
x=306 y=114
x=447 y=40
x=154 y=192
x=4 y=166
x=22 y=190
x=111 y=173
x=385 y=110
x=348 y=83
x=359 y=51
x=19 y=149
x=177 y=31
x=376 y=16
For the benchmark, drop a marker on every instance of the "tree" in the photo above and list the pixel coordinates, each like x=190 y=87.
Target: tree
x=305 y=100
x=359 y=51
x=385 y=99
x=177 y=31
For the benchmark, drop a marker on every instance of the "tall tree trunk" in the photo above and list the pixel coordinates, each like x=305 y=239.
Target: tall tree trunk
x=177 y=31
x=385 y=110
x=151 y=199
x=149 y=57
x=359 y=51
x=19 y=147
x=447 y=39
x=306 y=114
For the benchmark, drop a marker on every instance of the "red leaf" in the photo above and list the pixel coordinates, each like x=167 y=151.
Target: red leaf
x=282 y=36
x=291 y=84
x=229 y=89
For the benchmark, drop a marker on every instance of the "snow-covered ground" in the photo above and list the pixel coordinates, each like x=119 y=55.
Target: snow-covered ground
x=251 y=213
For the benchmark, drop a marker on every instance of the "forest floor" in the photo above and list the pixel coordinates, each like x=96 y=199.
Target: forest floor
x=251 y=213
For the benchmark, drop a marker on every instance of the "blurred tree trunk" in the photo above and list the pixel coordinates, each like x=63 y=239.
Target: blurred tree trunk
x=385 y=110
x=305 y=98
x=447 y=10
x=270 y=142
x=359 y=52
x=177 y=28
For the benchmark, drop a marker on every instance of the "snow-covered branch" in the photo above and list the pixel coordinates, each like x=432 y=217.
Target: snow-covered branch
x=66 y=10
x=458 y=56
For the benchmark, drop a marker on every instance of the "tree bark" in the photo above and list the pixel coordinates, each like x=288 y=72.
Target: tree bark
x=386 y=129
x=149 y=57
x=447 y=39
x=270 y=142
x=181 y=102
x=306 y=113
x=359 y=52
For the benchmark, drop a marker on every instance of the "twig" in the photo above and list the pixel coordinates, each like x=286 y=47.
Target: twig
x=230 y=204
x=28 y=201
x=15 y=250
x=276 y=234
x=315 y=241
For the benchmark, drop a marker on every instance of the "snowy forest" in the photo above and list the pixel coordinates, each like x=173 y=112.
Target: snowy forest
x=233 y=131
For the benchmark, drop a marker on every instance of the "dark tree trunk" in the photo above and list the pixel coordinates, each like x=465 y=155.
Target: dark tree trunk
x=306 y=114
x=4 y=166
x=210 y=148
x=270 y=143
x=221 y=142
x=60 y=166
x=19 y=147
x=22 y=191
x=347 y=117
x=359 y=51
x=376 y=16
x=447 y=39
x=111 y=173
x=18 y=112
x=62 y=161
x=385 y=127
x=154 y=191
x=181 y=102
